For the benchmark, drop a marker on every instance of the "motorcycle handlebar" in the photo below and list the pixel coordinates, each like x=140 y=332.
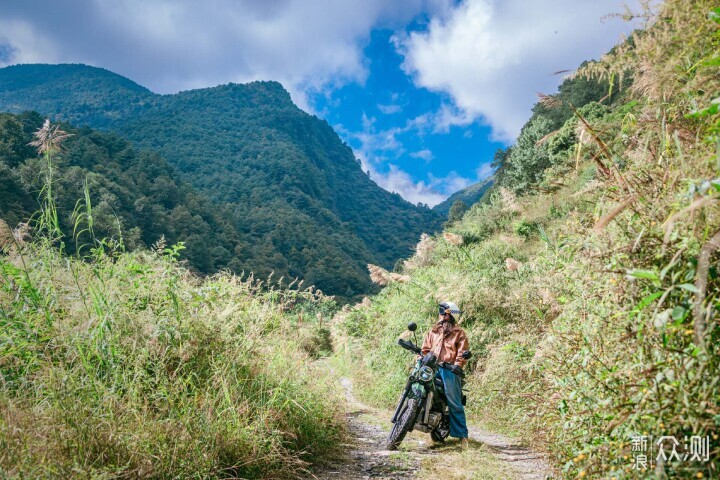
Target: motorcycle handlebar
x=409 y=346
x=449 y=366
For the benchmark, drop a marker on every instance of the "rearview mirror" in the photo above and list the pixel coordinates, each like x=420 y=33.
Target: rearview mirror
x=466 y=354
x=412 y=326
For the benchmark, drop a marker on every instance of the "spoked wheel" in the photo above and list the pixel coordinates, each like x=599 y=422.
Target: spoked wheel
x=402 y=425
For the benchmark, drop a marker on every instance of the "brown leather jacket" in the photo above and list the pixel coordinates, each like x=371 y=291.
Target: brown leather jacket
x=447 y=348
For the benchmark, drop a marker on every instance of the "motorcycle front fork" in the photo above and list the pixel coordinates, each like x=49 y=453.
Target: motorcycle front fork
x=401 y=402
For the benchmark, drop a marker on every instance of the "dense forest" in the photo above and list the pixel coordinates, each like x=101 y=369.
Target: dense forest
x=134 y=196
x=275 y=189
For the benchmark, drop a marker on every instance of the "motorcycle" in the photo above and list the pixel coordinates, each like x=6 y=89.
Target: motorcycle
x=423 y=405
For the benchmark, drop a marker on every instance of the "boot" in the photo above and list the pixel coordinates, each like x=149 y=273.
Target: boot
x=464 y=443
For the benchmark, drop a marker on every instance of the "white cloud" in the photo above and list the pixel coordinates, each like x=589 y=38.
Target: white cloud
x=423 y=154
x=430 y=193
x=172 y=45
x=450 y=116
x=389 y=109
x=484 y=171
x=399 y=181
x=377 y=151
x=492 y=56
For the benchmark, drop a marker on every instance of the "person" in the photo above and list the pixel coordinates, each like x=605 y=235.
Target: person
x=448 y=342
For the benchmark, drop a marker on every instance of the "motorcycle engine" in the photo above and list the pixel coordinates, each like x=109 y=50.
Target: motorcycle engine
x=434 y=419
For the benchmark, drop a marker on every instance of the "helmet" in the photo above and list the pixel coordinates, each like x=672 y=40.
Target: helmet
x=451 y=307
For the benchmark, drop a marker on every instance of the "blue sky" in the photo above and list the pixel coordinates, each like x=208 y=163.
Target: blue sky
x=386 y=120
x=424 y=91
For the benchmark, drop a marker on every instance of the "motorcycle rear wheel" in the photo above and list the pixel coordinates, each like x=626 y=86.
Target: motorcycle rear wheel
x=439 y=436
x=402 y=425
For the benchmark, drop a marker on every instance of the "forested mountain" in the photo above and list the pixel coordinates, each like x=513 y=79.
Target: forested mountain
x=135 y=196
x=469 y=196
x=293 y=196
x=75 y=93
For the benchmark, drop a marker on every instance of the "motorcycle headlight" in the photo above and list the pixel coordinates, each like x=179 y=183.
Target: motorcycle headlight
x=426 y=374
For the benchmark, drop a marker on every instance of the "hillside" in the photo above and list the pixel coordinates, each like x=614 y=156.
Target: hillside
x=294 y=194
x=468 y=195
x=82 y=95
x=135 y=196
x=588 y=275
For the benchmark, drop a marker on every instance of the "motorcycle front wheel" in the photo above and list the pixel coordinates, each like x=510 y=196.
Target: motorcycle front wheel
x=402 y=425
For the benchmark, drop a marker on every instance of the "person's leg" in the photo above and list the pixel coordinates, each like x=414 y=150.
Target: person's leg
x=453 y=392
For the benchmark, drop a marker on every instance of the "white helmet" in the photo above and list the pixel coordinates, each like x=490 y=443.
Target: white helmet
x=449 y=307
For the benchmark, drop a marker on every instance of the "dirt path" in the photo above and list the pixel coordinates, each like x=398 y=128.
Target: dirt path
x=367 y=457
x=489 y=456
x=528 y=464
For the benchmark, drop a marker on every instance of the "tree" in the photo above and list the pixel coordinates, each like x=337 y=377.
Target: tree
x=528 y=161
x=457 y=211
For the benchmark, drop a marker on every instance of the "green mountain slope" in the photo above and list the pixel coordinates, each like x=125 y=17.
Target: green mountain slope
x=75 y=93
x=292 y=190
x=135 y=195
x=469 y=195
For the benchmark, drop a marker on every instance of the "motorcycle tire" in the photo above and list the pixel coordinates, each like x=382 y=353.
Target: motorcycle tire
x=439 y=436
x=402 y=425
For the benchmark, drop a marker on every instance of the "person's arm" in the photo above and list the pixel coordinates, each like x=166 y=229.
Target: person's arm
x=426 y=345
x=462 y=347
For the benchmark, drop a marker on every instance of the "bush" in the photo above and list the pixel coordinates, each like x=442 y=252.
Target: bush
x=526 y=229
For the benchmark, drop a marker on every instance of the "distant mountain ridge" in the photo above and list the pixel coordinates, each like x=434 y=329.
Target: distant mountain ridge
x=294 y=192
x=469 y=195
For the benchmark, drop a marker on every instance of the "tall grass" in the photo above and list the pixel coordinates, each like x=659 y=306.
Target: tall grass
x=126 y=365
x=130 y=366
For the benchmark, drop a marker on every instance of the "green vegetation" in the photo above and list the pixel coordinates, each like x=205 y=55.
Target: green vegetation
x=126 y=365
x=469 y=196
x=130 y=366
x=457 y=211
x=588 y=276
x=277 y=188
x=134 y=196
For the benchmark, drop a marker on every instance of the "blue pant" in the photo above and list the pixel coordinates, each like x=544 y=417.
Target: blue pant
x=453 y=392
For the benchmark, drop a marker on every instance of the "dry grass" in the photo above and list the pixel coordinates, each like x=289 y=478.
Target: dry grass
x=512 y=265
x=453 y=238
x=131 y=367
x=6 y=236
x=608 y=217
x=423 y=253
x=509 y=200
x=475 y=463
